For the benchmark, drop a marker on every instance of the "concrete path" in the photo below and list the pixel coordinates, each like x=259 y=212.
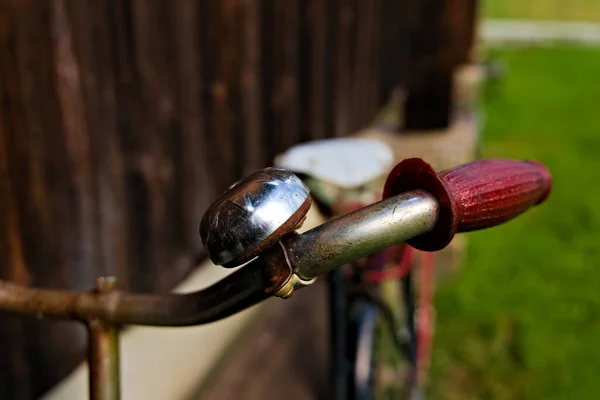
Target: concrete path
x=282 y=356
x=523 y=32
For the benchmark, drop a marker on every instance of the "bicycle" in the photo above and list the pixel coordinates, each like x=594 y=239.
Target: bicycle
x=253 y=225
x=343 y=174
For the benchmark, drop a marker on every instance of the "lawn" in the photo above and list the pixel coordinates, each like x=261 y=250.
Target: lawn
x=522 y=318
x=574 y=10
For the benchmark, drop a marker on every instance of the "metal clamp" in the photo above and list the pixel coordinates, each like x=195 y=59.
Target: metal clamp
x=278 y=269
x=287 y=290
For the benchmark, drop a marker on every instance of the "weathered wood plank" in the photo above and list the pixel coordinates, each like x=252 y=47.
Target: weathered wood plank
x=443 y=41
x=121 y=120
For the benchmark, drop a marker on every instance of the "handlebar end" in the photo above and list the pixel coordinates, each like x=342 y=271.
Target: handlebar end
x=473 y=196
x=415 y=173
x=546 y=180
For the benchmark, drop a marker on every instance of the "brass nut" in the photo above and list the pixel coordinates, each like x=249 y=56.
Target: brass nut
x=295 y=282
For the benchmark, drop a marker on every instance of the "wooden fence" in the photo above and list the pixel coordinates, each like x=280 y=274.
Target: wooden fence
x=120 y=121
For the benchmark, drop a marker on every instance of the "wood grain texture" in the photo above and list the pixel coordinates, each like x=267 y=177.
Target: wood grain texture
x=121 y=120
x=441 y=39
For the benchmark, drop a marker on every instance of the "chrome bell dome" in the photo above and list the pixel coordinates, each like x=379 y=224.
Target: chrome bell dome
x=253 y=214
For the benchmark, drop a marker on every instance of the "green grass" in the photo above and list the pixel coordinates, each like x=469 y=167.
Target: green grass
x=573 y=10
x=522 y=318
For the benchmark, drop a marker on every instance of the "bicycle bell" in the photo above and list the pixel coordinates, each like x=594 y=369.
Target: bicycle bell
x=252 y=215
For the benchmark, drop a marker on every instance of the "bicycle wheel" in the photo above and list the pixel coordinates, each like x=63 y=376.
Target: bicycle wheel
x=389 y=337
x=364 y=363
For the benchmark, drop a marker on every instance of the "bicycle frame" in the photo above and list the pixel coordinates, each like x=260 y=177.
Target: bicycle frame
x=353 y=311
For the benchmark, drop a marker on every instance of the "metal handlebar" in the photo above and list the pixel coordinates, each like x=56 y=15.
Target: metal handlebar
x=256 y=219
x=472 y=196
x=362 y=232
x=312 y=253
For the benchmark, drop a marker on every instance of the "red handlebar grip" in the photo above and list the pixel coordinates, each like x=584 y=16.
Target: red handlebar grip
x=473 y=196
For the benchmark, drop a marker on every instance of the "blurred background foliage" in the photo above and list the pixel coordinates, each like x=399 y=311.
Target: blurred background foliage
x=521 y=318
x=576 y=10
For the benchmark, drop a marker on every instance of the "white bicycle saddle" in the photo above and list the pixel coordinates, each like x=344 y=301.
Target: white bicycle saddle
x=343 y=162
